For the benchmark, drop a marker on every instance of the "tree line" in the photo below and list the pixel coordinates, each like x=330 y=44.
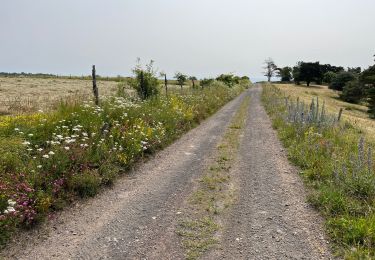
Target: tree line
x=355 y=85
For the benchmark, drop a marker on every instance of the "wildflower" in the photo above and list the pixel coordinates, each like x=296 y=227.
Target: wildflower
x=11 y=203
x=16 y=129
x=45 y=156
x=51 y=153
x=39 y=166
x=26 y=143
x=29 y=149
x=66 y=148
x=40 y=149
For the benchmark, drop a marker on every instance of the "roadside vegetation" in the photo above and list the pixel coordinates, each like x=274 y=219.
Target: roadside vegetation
x=337 y=164
x=214 y=192
x=48 y=160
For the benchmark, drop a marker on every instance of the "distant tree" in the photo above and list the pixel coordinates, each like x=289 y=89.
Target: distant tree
x=228 y=79
x=352 y=92
x=296 y=74
x=329 y=76
x=269 y=68
x=193 y=79
x=355 y=70
x=324 y=68
x=310 y=71
x=367 y=78
x=285 y=73
x=145 y=81
x=181 y=78
x=245 y=78
x=341 y=79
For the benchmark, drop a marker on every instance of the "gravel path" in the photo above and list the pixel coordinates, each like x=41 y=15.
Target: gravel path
x=271 y=219
x=135 y=219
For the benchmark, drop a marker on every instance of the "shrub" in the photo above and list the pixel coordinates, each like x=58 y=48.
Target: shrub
x=228 y=79
x=341 y=79
x=145 y=82
x=352 y=92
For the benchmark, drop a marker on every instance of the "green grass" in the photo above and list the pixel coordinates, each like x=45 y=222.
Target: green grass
x=336 y=164
x=214 y=193
x=48 y=160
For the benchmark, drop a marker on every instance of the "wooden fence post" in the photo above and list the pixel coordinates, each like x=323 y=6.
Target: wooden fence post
x=166 y=85
x=94 y=87
x=143 y=90
x=340 y=113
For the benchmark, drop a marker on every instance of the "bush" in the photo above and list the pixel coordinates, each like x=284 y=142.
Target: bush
x=352 y=92
x=228 y=79
x=341 y=79
x=145 y=82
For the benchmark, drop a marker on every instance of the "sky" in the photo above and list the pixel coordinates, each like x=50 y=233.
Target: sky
x=203 y=38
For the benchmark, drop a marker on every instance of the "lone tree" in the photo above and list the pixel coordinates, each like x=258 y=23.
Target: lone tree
x=285 y=73
x=193 y=79
x=181 y=78
x=270 y=68
x=308 y=72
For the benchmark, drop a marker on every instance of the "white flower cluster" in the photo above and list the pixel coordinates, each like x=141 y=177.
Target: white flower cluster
x=10 y=207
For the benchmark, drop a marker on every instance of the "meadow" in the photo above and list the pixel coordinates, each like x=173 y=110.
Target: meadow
x=49 y=159
x=336 y=160
x=19 y=95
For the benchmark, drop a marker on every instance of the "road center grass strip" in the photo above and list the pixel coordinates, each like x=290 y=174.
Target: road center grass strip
x=214 y=193
x=336 y=163
x=48 y=160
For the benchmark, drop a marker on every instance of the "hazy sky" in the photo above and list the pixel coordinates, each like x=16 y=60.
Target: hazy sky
x=196 y=37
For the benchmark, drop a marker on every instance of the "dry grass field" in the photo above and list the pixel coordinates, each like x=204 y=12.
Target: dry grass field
x=355 y=114
x=20 y=95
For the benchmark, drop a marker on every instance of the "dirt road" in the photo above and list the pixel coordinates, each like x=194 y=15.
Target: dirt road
x=137 y=218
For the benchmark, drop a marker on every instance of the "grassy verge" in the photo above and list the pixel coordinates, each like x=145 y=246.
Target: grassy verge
x=336 y=163
x=213 y=193
x=48 y=160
